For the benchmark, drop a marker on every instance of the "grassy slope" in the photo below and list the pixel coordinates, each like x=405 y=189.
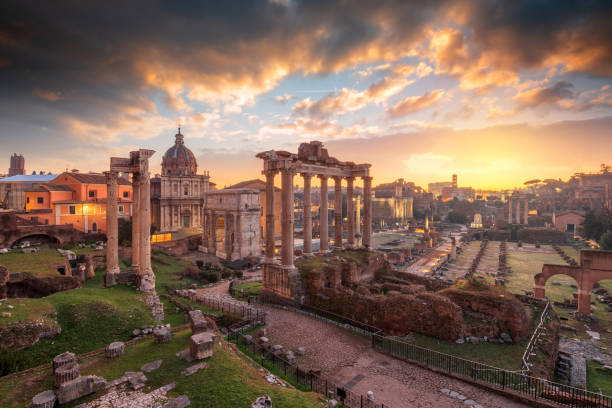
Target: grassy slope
x=251 y=287
x=26 y=309
x=229 y=381
x=90 y=317
x=598 y=379
x=40 y=264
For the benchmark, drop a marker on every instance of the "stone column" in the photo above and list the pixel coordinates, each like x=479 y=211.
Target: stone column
x=307 y=216
x=350 y=212
x=136 y=221
x=323 y=216
x=358 y=217
x=517 y=211
x=367 y=212
x=526 y=213
x=287 y=217
x=338 y=213
x=269 y=253
x=147 y=284
x=510 y=211
x=112 y=228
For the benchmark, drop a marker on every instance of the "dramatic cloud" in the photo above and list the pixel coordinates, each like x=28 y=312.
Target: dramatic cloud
x=416 y=103
x=544 y=96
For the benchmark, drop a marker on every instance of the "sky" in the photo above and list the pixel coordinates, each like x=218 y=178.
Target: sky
x=497 y=92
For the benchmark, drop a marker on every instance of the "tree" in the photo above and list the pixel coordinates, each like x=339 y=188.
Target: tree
x=605 y=242
x=125 y=230
x=457 y=217
x=592 y=226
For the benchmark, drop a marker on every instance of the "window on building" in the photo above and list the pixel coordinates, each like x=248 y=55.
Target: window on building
x=72 y=209
x=186 y=189
x=39 y=200
x=92 y=193
x=28 y=200
x=126 y=194
x=121 y=209
x=94 y=227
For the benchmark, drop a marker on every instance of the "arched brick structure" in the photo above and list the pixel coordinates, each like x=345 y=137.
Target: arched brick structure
x=60 y=233
x=594 y=266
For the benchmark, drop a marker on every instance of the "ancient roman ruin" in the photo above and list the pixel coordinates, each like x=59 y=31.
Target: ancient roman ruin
x=594 y=267
x=518 y=209
x=137 y=165
x=239 y=210
x=312 y=160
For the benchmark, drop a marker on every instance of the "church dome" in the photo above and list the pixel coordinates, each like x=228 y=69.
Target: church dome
x=179 y=160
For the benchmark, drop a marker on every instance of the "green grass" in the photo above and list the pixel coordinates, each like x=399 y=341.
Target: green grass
x=229 y=381
x=26 y=309
x=90 y=317
x=526 y=265
x=38 y=264
x=253 y=288
x=166 y=271
x=598 y=378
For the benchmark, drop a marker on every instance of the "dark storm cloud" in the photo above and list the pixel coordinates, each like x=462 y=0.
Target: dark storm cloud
x=81 y=63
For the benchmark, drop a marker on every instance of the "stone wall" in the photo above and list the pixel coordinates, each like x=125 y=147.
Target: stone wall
x=504 y=311
x=20 y=335
x=178 y=247
x=41 y=287
x=533 y=235
x=396 y=314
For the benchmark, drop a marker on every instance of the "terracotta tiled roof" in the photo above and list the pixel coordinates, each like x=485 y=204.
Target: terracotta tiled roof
x=254 y=183
x=95 y=178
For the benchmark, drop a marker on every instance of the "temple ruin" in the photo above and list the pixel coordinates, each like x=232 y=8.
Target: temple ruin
x=138 y=165
x=518 y=209
x=312 y=160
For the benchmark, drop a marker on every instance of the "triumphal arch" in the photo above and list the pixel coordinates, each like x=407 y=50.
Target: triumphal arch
x=312 y=160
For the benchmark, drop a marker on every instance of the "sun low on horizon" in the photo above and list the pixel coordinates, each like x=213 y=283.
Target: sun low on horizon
x=497 y=93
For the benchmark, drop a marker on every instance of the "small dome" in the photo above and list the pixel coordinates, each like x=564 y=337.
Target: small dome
x=179 y=160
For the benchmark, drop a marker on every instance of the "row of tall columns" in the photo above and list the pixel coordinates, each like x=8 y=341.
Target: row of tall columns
x=232 y=227
x=287 y=216
x=517 y=213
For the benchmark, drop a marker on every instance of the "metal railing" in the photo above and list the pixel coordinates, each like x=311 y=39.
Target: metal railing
x=534 y=338
x=301 y=379
x=493 y=377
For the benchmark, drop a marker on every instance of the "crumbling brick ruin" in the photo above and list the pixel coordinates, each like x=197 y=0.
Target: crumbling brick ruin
x=361 y=286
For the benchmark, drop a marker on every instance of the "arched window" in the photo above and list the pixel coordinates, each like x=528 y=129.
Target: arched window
x=94 y=226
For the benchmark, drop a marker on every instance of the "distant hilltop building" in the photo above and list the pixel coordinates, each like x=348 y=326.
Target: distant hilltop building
x=17 y=165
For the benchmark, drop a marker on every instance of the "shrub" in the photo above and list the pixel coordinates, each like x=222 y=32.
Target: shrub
x=200 y=264
x=212 y=277
x=238 y=274
x=9 y=363
x=226 y=274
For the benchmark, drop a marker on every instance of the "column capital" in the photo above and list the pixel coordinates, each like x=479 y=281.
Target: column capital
x=288 y=170
x=337 y=179
x=323 y=177
x=306 y=176
x=366 y=178
x=269 y=172
x=350 y=178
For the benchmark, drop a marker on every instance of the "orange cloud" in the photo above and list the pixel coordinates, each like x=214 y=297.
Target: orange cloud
x=413 y=104
x=48 y=95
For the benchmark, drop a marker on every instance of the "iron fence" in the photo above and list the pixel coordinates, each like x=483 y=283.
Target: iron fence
x=301 y=379
x=235 y=308
x=530 y=387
